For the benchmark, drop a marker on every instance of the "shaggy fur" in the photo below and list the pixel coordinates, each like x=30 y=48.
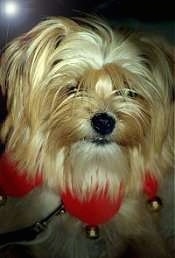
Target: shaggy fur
x=56 y=78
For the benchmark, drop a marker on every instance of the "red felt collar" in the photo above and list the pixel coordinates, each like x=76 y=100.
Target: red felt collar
x=17 y=184
x=13 y=182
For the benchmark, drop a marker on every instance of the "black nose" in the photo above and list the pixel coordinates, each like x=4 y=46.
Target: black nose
x=103 y=123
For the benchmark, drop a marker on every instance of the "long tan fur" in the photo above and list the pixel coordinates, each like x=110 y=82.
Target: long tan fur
x=63 y=72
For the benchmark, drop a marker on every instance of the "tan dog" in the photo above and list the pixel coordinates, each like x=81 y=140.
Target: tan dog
x=89 y=107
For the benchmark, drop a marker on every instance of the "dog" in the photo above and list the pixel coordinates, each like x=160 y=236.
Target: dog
x=89 y=113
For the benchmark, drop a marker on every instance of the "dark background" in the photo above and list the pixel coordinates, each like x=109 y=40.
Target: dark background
x=152 y=15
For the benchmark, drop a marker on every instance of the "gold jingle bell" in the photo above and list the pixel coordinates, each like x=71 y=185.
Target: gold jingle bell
x=3 y=199
x=155 y=204
x=92 y=232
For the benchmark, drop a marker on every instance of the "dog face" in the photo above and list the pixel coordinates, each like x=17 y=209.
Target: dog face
x=88 y=105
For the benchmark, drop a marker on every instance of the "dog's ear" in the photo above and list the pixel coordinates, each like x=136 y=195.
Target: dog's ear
x=26 y=60
x=158 y=57
x=158 y=70
x=169 y=53
x=172 y=56
x=25 y=65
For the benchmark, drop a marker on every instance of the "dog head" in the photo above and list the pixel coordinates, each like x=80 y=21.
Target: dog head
x=88 y=105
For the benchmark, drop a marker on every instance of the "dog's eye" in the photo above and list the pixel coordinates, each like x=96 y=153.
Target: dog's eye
x=127 y=93
x=72 y=89
x=131 y=94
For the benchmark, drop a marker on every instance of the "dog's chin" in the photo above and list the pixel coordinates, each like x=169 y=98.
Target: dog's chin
x=93 y=162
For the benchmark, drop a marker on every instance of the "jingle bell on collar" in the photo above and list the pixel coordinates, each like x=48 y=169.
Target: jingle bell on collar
x=155 y=204
x=3 y=199
x=92 y=232
x=150 y=188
